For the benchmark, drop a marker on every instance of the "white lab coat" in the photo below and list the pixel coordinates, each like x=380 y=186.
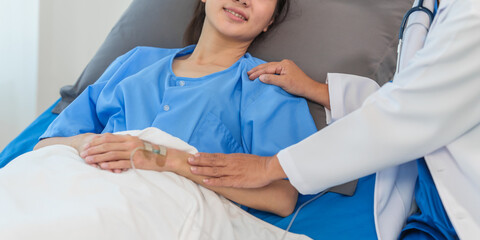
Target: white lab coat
x=431 y=109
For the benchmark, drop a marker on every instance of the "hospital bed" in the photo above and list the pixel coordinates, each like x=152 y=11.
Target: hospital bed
x=356 y=37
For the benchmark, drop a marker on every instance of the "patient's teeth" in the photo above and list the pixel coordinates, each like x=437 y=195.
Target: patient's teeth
x=235 y=14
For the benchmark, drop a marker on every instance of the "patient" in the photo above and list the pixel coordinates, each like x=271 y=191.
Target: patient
x=200 y=94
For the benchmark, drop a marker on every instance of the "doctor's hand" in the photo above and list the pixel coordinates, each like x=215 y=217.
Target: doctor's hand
x=287 y=75
x=236 y=170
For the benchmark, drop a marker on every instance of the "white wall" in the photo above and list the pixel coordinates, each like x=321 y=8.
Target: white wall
x=71 y=31
x=44 y=45
x=18 y=66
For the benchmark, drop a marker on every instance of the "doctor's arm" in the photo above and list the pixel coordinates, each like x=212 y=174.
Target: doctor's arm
x=432 y=102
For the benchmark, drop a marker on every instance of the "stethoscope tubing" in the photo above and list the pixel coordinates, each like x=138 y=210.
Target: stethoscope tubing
x=418 y=8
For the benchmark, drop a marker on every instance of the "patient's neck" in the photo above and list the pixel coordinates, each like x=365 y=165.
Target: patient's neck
x=213 y=53
x=215 y=49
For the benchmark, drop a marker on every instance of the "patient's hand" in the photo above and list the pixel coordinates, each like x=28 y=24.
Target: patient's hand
x=112 y=152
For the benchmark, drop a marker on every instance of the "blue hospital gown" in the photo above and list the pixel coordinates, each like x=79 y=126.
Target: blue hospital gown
x=222 y=112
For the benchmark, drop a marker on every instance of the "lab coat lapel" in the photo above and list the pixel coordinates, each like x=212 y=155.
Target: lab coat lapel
x=394 y=187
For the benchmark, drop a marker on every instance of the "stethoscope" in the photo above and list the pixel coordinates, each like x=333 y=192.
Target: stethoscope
x=418 y=8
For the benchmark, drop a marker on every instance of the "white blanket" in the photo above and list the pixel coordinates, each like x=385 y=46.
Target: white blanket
x=52 y=194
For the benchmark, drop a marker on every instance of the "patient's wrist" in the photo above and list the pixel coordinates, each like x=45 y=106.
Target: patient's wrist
x=176 y=161
x=80 y=141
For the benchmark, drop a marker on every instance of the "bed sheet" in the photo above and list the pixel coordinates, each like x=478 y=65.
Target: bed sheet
x=67 y=198
x=332 y=216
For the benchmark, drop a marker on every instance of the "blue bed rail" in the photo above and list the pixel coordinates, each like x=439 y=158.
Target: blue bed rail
x=28 y=138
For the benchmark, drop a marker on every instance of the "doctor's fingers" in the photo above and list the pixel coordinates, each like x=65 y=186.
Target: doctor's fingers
x=266 y=68
x=278 y=80
x=221 y=182
x=212 y=171
x=209 y=159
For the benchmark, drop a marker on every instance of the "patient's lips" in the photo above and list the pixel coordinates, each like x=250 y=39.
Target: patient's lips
x=236 y=14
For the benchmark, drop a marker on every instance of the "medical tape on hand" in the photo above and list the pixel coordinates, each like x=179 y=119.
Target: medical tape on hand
x=148 y=147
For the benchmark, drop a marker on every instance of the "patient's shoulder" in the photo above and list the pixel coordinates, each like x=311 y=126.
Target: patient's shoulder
x=256 y=85
x=142 y=57
x=256 y=91
x=251 y=61
x=150 y=54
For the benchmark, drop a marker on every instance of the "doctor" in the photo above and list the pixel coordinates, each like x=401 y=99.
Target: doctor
x=430 y=112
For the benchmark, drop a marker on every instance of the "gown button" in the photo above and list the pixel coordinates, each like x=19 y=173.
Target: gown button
x=166 y=108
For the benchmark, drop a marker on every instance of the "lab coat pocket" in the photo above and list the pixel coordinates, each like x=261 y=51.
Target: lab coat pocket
x=211 y=135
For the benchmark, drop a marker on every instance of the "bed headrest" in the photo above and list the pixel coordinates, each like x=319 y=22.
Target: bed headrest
x=357 y=37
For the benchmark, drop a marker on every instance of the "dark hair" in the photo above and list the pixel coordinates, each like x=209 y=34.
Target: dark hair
x=194 y=28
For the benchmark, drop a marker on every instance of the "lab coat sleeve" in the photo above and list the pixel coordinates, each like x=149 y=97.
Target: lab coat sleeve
x=347 y=93
x=80 y=116
x=275 y=120
x=433 y=101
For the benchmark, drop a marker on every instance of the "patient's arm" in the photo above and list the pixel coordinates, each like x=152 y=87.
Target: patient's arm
x=112 y=152
x=279 y=197
x=78 y=142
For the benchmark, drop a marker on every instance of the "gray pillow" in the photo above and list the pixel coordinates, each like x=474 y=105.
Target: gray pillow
x=347 y=36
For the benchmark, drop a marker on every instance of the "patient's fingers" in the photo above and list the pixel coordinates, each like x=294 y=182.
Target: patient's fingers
x=94 y=165
x=111 y=170
x=107 y=137
x=116 y=165
x=110 y=147
x=108 y=156
x=102 y=148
